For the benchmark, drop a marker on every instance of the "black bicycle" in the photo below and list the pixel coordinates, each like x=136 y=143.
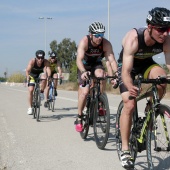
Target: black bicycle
x=97 y=113
x=52 y=96
x=149 y=132
x=36 y=102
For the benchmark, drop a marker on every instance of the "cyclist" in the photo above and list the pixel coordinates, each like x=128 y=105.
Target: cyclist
x=54 y=66
x=37 y=67
x=91 y=50
x=138 y=48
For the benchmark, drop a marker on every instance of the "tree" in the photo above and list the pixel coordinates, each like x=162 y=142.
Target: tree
x=66 y=53
x=53 y=46
x=73 y=72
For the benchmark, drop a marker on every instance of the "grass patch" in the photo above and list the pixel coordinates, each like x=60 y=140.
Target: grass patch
x=73 y=86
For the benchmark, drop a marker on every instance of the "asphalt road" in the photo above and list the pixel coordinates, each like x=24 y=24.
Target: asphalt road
x=52 y=143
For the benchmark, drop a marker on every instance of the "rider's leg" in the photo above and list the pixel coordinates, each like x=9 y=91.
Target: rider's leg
x=126 y=120
x=55 y=75
x=30 y=95
x=82 y=95
x=100 y=73
x=43 y=83
x=55 y=81
x=154 y=73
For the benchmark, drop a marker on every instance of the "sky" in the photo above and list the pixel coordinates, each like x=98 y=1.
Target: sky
x=22 y=33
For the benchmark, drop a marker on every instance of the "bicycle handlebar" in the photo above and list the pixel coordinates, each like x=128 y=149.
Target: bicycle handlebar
x=99 y=78
x=159 y=80
x=51 y=79
x=140 y=80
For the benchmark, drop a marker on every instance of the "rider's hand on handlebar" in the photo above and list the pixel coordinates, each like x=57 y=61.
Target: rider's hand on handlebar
x=115 y=83
x=85 y=75
x=134 y=91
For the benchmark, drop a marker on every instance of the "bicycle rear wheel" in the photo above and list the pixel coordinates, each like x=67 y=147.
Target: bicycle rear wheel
x=38 y=103
x=101 y=121
x=158 y=142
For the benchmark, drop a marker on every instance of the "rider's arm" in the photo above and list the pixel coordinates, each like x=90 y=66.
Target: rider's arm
x=29 y=67
x=130 y=45
x=59 y=69
x=166 y=49
x=80 y=54
x=110 y=58
x=47 y=67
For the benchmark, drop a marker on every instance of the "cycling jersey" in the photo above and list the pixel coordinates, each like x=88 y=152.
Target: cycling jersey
x=93 y=54
x=36 y=70
x=53 y=66
x=143 y=61
x=144 y=52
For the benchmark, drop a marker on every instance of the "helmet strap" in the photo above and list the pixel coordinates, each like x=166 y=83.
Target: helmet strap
x=150 y=33
x=92 y=40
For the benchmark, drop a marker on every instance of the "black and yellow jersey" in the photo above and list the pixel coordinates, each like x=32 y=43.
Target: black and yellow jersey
x=144 y=52
x=53 y=66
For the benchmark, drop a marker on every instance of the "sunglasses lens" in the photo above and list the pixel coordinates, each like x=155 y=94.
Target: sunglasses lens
x=99 y=35
x=40 y=58
x=162 y=29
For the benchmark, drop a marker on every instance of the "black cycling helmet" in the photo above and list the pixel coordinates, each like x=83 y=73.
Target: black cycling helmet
x=96 y=27
x=40 y=53
x=159 y=16
x=53 y=54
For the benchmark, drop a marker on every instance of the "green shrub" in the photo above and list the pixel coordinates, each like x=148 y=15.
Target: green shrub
x=16 y=78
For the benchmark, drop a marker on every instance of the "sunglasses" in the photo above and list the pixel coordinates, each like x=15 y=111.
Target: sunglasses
x=40 y=58
x=99 y=35
x=162 y=29
x=53 y=57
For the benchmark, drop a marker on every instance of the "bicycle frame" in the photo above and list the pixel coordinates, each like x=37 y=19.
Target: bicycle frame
x=151 y=113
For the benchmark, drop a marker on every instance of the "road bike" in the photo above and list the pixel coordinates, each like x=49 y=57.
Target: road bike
x=97 y=113
x=36 y=102
x=150 y=132
x=52 y=96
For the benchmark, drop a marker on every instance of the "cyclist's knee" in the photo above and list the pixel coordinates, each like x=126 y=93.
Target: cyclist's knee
x=129 y=106
x=83 y=92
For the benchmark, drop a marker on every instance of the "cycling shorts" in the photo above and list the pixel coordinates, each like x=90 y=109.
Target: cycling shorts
x=90 y=68
x=143 y=69
x=32 y=79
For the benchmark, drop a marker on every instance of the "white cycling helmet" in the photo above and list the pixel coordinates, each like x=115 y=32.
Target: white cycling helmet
x=96 y=27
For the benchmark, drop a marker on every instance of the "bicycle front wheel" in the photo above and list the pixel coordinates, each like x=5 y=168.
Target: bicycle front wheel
x=101 y=121
x=158 y=142
x=53 y=100
x=85 y=124
x=38 y=103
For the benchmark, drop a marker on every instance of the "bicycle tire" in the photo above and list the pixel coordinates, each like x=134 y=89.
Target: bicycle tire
x=38 y=103
x=85 y=124
x=101 y=123
x=53 y=99
x=117 y=130
x=132 y=139
x=87 y=118
x=34 y=106
x=157 y=141
x=49 y=104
